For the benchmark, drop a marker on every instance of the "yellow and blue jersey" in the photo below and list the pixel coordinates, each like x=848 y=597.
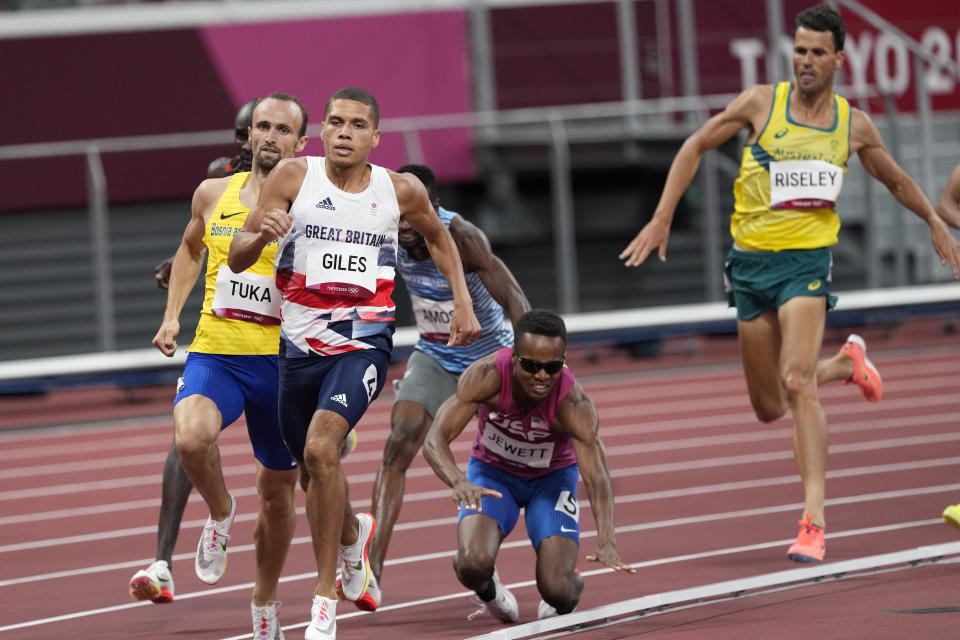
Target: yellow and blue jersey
x=243 y=317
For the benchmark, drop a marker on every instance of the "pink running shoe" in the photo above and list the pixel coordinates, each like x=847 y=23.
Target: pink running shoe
x=865 y=375
x=810 y=546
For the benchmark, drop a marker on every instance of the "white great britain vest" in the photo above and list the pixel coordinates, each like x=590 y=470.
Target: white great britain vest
x=335 y=267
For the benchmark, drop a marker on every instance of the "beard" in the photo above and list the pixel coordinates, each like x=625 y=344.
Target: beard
x=268 y=162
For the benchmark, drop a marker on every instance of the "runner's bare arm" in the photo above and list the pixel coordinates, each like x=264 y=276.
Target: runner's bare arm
x=479 y=383
x=269 y=219
x=865 y=140
x=577 y=415
x=948 y=206
x=478 y=258
x=415 y=207
x=161 y=272
x=746 y=110
x=187 y=263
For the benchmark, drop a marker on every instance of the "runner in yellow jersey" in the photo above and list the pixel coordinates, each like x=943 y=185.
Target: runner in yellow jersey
x=155 y=582
x=800 y=135
x=232 y=364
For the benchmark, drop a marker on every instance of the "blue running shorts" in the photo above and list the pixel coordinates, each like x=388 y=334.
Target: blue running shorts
x=549 y=501
x=241 y=384
x=345 y=383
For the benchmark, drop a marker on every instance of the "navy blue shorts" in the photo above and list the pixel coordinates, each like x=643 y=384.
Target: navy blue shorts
x=345 y=383
x=241 y=384
x=549 y=501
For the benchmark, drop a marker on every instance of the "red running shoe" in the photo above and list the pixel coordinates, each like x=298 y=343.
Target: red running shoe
x=370 y=599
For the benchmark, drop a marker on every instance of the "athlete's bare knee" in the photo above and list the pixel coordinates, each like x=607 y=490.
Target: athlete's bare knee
x=768 y=411
x=320 y=458
x=799 y=385
x=560 y=594
x=276 y=498
x=402 y=447
x=473 y=566
x=193 y=444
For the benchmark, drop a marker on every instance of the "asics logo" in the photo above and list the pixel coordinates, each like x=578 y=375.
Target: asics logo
x=813 y=286
x=781 y=133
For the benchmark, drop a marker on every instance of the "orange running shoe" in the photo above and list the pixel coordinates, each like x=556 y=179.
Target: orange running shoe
x=865 y=375
x=809 y=546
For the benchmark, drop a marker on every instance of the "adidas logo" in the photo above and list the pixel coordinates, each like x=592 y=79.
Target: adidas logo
x=341 y=398
x=326 y=203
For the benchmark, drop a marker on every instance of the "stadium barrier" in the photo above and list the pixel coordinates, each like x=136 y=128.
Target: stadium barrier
x=623 y=327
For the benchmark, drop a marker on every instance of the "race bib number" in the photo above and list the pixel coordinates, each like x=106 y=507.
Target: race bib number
x=804 y=184
x=528 y=454
x=340 y=269
x=246 y=296
x=433 y=318
x=567 y=503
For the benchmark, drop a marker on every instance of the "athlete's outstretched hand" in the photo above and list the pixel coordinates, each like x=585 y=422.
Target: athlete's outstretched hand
x=946 y=246
x=654 y=235
x=275 y=224
x=607 y=554
x=467 y=495
x=165 y=340
x=464 y=328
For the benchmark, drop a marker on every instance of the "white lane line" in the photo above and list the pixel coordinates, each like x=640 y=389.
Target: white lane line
x=424 y=471
x=617 y=473
x=154 y=503
x=738 y=419
x=513 y=544
x=887 y=495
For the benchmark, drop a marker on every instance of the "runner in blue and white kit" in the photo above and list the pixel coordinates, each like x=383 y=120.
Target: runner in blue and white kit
x=433 y=368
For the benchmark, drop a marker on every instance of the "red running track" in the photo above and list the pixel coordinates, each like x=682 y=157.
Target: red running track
x=704 y=493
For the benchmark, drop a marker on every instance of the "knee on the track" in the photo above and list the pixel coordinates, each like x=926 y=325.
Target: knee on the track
x=473 y=566
x=561 y=592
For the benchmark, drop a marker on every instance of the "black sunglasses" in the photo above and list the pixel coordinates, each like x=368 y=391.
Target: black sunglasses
x=533 y=366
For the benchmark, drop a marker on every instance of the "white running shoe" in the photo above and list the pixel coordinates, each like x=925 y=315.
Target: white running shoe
x=155 y=583
x=265 y=623
x=544 y=610
x=323 y=620
x=211 y=559
x=354 y=568
x=503 y=607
